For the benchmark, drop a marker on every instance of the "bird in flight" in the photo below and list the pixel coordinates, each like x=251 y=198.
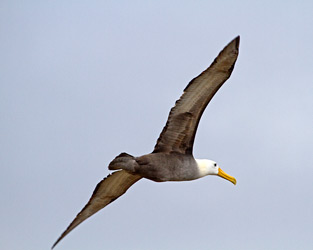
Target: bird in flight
x=172 y=158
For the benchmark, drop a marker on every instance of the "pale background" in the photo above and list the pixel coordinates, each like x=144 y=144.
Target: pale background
x=82 y=81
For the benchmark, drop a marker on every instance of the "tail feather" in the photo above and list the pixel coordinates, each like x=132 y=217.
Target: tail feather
x=123 y=161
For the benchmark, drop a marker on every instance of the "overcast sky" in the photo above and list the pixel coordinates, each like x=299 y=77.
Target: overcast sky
x=82 y=81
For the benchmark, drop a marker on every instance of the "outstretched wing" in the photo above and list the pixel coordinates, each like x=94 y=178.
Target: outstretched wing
x=107 y=190
x=179 y=132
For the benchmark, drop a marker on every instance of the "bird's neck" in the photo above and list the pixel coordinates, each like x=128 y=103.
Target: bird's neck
x=202 y=167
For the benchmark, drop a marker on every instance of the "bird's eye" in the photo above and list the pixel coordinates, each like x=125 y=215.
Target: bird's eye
x=215 y=164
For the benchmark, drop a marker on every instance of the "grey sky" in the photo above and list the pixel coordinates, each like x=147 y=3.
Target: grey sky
x=82 y=81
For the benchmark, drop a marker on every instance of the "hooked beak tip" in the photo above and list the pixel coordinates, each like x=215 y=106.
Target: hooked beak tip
x=222 y=174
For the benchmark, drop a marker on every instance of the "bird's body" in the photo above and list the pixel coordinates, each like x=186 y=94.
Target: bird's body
x=172 y=158
x=160 y=167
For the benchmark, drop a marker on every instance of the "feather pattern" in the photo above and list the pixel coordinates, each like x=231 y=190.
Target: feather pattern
x=179 y=132
x=172 y=158
x=107 y=191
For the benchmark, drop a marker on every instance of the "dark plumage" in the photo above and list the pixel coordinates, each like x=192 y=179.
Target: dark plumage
x=171 y=159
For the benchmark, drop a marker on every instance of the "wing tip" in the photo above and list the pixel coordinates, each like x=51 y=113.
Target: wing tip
x=234 y=44
x=236 y=40
x=55 y=243
x=61 y=237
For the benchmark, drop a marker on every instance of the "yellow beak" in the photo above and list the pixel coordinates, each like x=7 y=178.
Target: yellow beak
x=222 y=174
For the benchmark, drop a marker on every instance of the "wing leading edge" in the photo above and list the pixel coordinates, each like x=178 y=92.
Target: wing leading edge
x=179 y=132
x=107 y=191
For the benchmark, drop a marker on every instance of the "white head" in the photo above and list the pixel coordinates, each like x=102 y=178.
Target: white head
x=208 y=167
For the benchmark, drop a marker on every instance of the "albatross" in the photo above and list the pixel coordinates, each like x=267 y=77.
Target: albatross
x=172 y=158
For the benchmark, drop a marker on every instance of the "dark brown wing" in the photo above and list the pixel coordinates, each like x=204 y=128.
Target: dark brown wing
x=179 y=132
x=108 y=190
